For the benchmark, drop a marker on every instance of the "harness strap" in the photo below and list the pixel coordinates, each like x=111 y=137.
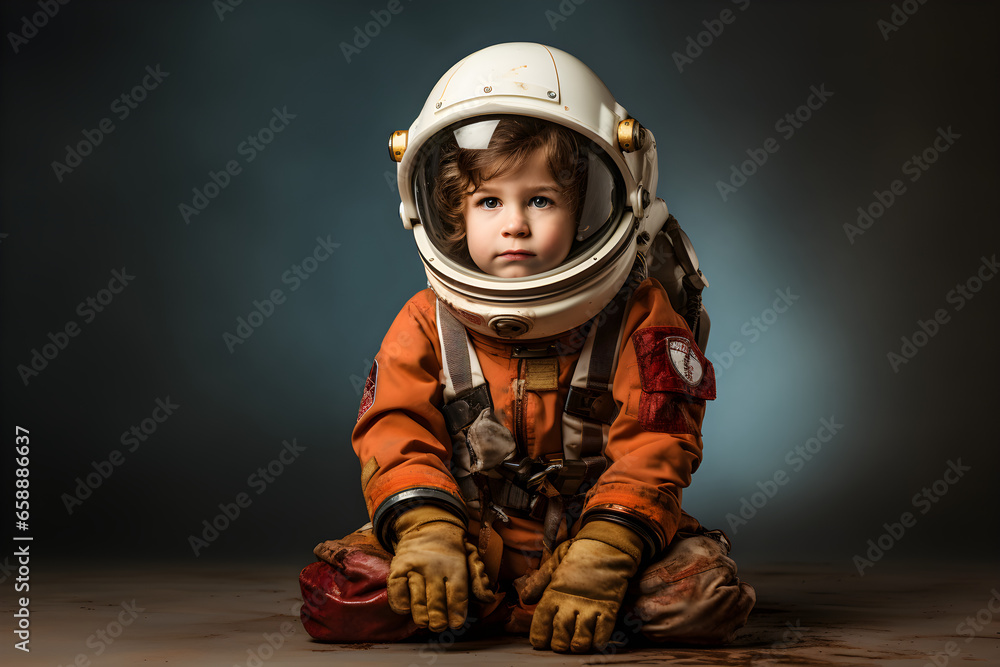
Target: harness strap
x=466 y=395
x=590 y=407
x=462 y=371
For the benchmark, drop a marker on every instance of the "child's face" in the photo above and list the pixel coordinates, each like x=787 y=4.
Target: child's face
x=523 y=211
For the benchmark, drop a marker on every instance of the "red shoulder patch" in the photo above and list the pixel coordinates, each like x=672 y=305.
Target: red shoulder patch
x=669 y=360
x=674 y=375
x=368 y=397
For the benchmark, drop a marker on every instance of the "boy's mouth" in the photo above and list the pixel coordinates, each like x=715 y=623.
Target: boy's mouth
x=517 y=254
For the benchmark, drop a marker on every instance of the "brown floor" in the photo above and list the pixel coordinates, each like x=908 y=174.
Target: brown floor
x=805 y=615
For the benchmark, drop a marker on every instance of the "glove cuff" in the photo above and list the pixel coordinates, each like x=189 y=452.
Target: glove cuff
x=419 y=516
x=392 y=507
x=627 y=541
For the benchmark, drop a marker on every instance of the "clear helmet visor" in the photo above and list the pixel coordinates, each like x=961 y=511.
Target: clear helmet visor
x=512 y=196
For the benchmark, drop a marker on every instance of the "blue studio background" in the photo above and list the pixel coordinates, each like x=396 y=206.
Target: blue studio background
x=212 y=75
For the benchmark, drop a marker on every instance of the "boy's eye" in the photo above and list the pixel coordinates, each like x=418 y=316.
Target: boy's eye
x=540 y=202
x=489 y=202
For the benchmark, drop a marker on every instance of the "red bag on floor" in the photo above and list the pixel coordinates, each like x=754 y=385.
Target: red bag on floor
x=347 y=601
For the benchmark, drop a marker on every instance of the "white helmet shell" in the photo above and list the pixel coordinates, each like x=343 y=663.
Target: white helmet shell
x=527 y=79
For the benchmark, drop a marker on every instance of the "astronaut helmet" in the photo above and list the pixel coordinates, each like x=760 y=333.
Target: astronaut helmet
x=528 y=189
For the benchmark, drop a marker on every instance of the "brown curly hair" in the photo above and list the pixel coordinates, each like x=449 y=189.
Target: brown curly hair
x=514 y=141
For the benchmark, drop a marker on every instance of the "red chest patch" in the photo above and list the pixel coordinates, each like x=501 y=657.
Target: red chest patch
x=368 y=397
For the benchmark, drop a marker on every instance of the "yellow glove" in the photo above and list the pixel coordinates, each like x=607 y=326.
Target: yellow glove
x=429 y=575
x=584 y=582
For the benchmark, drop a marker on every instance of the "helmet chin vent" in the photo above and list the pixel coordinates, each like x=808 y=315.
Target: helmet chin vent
x=509 y=326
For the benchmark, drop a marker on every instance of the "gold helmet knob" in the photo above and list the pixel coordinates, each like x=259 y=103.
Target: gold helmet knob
x=397 y=145
x=631 y=135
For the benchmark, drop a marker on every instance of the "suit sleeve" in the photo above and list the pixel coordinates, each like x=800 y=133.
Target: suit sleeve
x=661 y=383
x=400 y=437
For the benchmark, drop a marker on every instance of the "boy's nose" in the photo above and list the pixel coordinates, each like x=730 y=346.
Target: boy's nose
x=516 y=224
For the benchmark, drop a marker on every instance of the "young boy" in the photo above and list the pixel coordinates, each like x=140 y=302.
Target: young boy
x=531 y=419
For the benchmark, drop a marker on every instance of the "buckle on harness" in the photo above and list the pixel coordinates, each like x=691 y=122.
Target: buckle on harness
x=517 y=488
x=579 y=473
x=537 y=478
x=591 y=404
x=526 y=472
x=463 y=410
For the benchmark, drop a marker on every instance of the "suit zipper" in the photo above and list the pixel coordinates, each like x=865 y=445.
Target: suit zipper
x=520 y=431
